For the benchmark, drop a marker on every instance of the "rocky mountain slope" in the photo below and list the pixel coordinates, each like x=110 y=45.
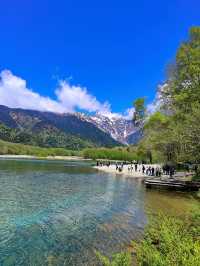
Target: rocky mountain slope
x=68 y=130
x=118 y=128
x=51 y=129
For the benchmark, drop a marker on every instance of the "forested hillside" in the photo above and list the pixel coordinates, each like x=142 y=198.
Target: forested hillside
x=50 y=130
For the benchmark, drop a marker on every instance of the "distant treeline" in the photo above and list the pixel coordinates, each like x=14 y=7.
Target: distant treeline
x=110 y=154
x=20 y=149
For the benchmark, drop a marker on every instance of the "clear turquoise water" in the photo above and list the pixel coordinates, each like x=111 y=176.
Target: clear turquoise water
x=59 y=213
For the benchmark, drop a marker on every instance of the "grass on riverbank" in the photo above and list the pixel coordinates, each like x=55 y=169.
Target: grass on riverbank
x=21 y=149
x=168 y=241
x=110 y=154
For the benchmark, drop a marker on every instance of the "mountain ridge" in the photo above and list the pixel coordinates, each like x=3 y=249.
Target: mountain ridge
x=56 y=129
x=118 y=127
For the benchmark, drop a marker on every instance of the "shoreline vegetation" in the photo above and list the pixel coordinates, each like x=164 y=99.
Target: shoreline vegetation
x=110 y=154
x=171 y=133
x=117 y=153
x=15 y=149
x=167 y=241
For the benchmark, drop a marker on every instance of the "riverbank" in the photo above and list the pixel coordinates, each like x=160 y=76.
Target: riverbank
x=182 y=176
x=126 y=170
x=67 y=158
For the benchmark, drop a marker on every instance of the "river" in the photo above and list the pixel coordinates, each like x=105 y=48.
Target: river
x=60 y=213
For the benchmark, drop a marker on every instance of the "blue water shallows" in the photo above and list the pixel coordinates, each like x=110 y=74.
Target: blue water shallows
x=58 y=213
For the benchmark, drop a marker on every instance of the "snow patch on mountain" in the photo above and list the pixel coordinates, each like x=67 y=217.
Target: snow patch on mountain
x=118 y=128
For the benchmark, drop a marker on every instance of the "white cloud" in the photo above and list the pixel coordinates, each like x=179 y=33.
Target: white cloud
x=74 y=97
x=128 y=114
x=14 y=93
x=158 y=101
x=151 y=108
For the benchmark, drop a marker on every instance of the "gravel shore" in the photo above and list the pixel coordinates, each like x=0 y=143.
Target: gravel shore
x=67 y=158
x=126 y=171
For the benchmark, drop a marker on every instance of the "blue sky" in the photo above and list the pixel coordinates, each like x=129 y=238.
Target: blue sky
x=119 y=50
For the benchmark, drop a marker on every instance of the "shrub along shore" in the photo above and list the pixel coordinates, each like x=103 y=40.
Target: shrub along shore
x=120 y=154
x=168 y=241
x=8 y=148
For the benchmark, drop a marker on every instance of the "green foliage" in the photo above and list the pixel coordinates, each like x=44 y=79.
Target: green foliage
x=139 y=114
x=44 y=138
x=20 y=149
x=173 y=134
x=159 y=138
x=189 y=133
x=110 y=154
x=170 y=241
x=157 y=121
x=185 y=81
x=196 y=177
x=119 y=259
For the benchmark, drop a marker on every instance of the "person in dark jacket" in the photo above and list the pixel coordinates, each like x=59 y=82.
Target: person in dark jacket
x=143 y=169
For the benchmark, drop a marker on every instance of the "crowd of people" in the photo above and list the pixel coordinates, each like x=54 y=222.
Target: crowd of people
x=149 y=170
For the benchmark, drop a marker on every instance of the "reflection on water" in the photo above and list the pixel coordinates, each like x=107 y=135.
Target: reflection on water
x=59 y=213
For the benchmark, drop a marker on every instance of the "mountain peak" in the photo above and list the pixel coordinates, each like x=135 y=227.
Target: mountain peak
x=99 y=129
x=117 y=127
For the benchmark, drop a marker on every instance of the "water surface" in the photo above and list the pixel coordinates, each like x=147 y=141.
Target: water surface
x=59 y=213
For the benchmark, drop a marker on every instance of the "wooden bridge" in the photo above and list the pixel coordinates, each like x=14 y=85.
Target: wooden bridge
x=172 y=184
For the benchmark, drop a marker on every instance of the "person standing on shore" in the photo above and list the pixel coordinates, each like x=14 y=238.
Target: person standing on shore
x=136 y=166
x=152 y=171
x=143 y=169
x=171 y=171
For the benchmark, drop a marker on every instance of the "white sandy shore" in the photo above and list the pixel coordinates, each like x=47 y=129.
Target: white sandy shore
x=133 y=173
x=67 y=158
x=112 y=169
x=9 y=156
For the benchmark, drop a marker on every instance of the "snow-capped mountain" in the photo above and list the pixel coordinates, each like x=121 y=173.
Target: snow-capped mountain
x=118 y=128
x=67 y=130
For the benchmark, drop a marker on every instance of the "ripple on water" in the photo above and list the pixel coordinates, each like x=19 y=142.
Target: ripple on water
x=60 y=214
